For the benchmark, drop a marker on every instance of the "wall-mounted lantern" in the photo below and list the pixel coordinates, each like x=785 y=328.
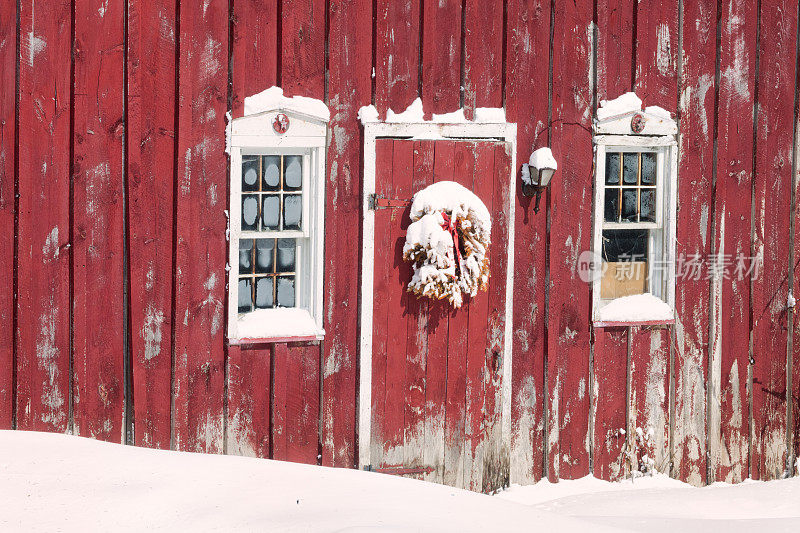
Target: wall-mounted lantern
x=537 y=173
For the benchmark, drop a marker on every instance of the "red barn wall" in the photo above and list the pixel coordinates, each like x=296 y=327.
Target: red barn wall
x=112 y=252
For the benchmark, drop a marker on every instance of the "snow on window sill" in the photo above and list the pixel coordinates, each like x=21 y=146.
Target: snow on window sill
x=276 y=325
x=636 y=310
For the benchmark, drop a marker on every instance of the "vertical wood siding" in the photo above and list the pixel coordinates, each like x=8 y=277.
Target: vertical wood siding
x=151 y=174
x=772 y=182
x=527 y=105
x=732 y=205
x=112 y=256
x=97 y=220
x=8 y=102
x=44 y=255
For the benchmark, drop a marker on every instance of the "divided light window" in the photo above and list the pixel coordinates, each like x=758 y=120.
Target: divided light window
x=272 y=231
x=632 y=225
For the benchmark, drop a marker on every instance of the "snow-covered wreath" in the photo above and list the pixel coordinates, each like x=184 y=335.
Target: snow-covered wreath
x=448 y=243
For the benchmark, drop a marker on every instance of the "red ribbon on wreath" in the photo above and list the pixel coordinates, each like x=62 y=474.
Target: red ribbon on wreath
x=450 y=227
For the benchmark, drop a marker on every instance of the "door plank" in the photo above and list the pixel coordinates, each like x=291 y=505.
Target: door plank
x=417 y=337
x=436 y=371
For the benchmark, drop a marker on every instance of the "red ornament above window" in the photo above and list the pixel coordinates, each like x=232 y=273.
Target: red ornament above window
x=281 y=123
x=637 y=123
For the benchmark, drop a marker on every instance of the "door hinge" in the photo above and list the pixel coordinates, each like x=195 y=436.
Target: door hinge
x=381 y=202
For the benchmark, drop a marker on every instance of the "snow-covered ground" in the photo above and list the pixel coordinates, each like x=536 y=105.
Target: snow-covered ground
x=57 y=482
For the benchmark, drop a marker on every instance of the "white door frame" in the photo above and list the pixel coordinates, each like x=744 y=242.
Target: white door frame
x=502 y=131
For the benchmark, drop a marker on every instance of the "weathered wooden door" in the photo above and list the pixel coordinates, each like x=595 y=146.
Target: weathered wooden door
x=437 y=371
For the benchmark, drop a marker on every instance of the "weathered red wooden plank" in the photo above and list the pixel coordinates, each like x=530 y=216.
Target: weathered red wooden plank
x=476 y=368
x=528 y=49
x=201 y=225
x=151 y=163
x=483 y=55
x=648 y=419
x=693 y=228
x=495 y=450
x=303 y=48
x=732 y=202
x=417 y=336
x=436 y=367
x=248 y=401
x=656 y=75
x=397 y=32
x=254 y=55
x=384 y=152
x=458 y=327
x=610 y=460
x=278 y=404
x=98 y=220
x=8 y=61
x=772 y=192
x=441 y=56
x=302 y=402
x=397 y=303
x=615 y=47
x=349 y=87
x=570 y=200
x=254 y=67
x=43 y=310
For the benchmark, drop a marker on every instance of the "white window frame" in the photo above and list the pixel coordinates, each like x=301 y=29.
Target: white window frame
x=306 y=136
x=665 y=146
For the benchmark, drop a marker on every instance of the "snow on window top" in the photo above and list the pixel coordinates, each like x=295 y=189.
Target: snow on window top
x=415 y=113
x=623 y=104
x=628 y=103
x=453 y=198
x=273 y=98
x=637 y=308
x=274 y=323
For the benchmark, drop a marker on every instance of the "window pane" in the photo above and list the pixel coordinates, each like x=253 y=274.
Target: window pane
x=286 y=255
x=292 y=211
x=292 y=172
x=648 y=207
x=629 y=207
x=272 y=172
x=612 y=169
x=286 y=291
x=270 y=212
x=264 y=296
x=249 y=212
x=630 y=168
x=649 y=168
x=246 y=256
x=265 y=255
x=245 y=296
x=625 y=266
x=624 y=244
x=249 y=173
x=612 y=205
